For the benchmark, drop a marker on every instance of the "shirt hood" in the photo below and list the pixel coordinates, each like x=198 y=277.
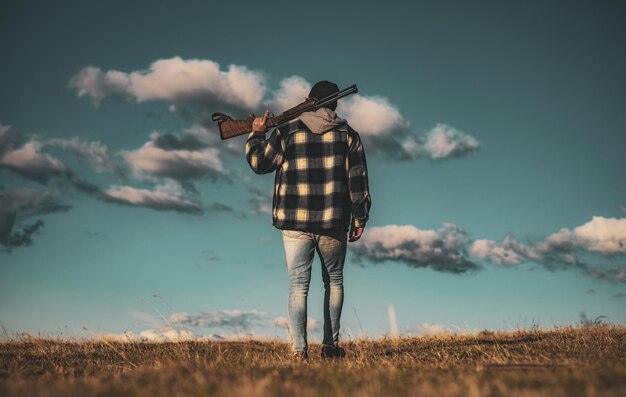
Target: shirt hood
x=321 y=120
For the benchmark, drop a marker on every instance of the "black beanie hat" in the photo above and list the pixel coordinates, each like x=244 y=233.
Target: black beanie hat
x=322 y=89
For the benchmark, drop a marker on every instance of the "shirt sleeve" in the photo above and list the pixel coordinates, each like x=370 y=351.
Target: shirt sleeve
x=264 y=155
x=358 y=186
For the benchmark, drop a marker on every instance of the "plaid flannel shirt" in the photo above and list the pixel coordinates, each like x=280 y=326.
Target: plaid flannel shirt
x=321 y=179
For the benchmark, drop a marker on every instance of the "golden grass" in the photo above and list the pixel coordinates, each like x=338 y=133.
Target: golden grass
x=573 y=361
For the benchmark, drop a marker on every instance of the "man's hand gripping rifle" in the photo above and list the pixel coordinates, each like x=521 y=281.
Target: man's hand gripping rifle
x=230 y=128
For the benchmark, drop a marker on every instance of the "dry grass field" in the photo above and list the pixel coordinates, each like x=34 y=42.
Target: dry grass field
x=573 y=361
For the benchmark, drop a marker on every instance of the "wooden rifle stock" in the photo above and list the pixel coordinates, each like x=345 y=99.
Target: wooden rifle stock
x=230 y=128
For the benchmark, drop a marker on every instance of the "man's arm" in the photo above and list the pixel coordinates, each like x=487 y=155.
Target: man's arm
x=358 y=186
x=263 y=155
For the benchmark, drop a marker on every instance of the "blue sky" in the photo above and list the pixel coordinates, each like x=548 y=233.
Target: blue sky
x=495 y=140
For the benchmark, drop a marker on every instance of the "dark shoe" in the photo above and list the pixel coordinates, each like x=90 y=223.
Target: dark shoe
x=300 y=356
x=333 y=352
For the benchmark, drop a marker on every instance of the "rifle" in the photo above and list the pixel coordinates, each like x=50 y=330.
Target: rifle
x=230 y=128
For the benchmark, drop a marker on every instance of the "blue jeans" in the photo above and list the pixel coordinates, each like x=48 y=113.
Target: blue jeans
x=300 y=249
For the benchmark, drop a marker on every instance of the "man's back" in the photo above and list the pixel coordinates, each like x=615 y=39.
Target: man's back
x=321 y=173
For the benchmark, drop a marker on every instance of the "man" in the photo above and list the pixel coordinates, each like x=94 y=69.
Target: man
x=320 y=191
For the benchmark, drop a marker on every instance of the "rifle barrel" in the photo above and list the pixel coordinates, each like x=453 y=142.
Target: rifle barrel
x=336 y=96
x=283 y=118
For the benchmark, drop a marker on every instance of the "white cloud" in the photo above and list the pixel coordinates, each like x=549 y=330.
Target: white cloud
x=166 y=196
x=149 y=162
x=241 y=320
x=442 y=249
x=238 y=336
x=424 y=329
x=446 y=249
x=176 y=164
x=509 y=252
x=371 y=115
x=175 y=80
x=95 y=152
x=29 y=156
x=98 y=85
x=604 y=236
x=202 y=84
x=25 y=157
x=160 y=335
x=29 y=161
x=149 y=335
x=166 y=334
x=293 y=90
x=441 y=142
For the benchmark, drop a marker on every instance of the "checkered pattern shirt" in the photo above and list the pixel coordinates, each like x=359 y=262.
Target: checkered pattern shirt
x=321 y=179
